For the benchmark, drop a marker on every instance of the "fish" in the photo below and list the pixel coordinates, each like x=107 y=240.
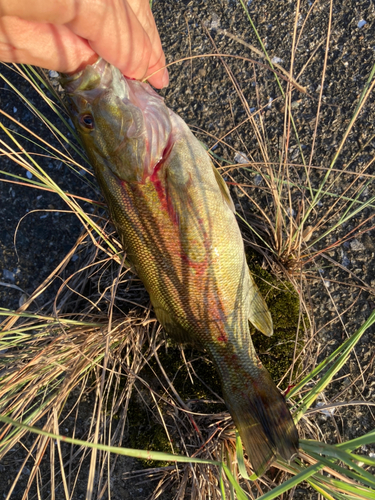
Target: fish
x=176 y=221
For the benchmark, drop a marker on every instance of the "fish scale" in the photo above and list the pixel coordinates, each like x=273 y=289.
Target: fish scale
x=176 y=222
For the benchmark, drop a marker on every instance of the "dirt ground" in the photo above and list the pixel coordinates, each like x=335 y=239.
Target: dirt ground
x=34 y=236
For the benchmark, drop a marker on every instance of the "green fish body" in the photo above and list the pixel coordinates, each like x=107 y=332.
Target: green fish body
x=176 y=221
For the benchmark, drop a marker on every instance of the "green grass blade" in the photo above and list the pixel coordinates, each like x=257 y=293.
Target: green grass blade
x=290 y=483
x=342 y=352
x=367 y=439
x=241 y=495
x=241 y=460
x=222 y=486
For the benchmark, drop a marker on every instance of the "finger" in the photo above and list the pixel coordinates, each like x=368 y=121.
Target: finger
x=126 y=36
x=45 y=45
x=142 y=11
x=55 y=11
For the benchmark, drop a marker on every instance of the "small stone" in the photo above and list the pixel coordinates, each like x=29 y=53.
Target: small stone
x=258 y=179
x=357 y=246
x=345 y=261
x=327 y=411
x=8 y=275
x=215 y=22
x=240 y=157
x=29 y=175
x=22 y=300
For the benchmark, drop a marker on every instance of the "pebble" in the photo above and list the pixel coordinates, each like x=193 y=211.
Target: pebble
x=240 y=157
x=327 y=411
x=258 y=179
x=215 y=23
x=8 y=275
x=357 y=246
x=22 y=300
x=29 y=175
x=345 y=261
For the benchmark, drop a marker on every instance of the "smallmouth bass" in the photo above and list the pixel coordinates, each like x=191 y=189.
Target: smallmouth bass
x=175 y=218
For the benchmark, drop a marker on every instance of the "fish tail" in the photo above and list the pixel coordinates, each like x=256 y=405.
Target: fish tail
x=262 y=419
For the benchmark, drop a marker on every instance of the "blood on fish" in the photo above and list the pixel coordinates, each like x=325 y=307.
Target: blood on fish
x=222 y=338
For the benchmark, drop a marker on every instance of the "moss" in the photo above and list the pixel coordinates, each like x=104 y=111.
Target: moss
x=146 y=433
x=206 y=377
x=276 y=352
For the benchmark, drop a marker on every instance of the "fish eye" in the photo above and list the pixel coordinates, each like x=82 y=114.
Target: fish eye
x=87 y=121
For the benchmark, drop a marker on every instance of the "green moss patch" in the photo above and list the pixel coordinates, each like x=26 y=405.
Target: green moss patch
x=276 y=352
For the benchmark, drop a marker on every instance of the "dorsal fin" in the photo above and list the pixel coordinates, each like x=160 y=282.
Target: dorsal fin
x=224 y=189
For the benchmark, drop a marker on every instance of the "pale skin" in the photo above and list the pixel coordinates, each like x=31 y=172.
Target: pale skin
x=66 y=35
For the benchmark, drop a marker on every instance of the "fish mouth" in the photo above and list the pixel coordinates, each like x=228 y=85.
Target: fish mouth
x=93 y=80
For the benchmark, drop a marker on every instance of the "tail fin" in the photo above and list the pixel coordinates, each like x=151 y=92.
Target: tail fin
x=262 y=419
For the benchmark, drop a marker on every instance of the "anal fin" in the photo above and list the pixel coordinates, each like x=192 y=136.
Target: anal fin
x=259 y=314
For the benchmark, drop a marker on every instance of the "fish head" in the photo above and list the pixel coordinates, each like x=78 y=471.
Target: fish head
x=124 y=125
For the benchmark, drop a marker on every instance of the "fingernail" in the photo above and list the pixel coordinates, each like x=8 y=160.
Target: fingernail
x=165 y=78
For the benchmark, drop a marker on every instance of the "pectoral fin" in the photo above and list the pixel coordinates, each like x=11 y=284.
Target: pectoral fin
x=173 y=329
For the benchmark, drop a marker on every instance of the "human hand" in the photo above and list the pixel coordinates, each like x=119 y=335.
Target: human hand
x=66 y=35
